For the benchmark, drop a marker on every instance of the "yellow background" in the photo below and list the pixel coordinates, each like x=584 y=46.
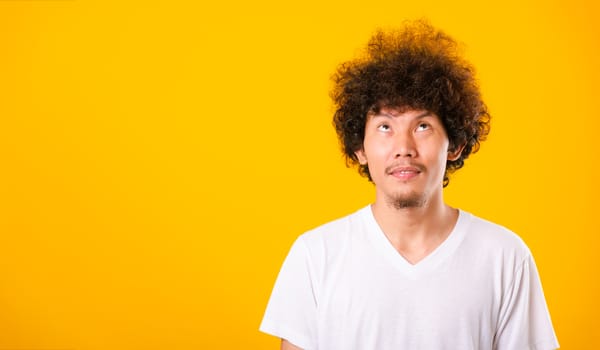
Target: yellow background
x=159 y=158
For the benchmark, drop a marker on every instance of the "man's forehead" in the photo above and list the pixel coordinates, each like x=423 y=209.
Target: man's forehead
x=396 y=112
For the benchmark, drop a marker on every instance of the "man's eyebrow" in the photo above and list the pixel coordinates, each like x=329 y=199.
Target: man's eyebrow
x=424 y=114
x=388 y=115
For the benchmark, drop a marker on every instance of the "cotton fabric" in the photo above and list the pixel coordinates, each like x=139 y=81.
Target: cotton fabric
x=344 y=286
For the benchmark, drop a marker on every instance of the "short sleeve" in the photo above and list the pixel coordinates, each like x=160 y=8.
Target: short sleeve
x=524 y=321
x=291 y=311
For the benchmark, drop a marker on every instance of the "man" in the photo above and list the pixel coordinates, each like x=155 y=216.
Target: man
x=409 y=271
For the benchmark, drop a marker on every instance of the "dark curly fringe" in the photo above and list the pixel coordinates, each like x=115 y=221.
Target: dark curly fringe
x=416 y=67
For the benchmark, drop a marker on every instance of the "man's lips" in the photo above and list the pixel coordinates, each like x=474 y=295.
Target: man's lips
x=404 y=172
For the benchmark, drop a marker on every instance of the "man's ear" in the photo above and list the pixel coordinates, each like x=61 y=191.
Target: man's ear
x=360 y=155
x=454 y=154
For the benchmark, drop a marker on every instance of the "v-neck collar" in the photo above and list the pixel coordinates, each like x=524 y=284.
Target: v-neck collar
x=429 y=262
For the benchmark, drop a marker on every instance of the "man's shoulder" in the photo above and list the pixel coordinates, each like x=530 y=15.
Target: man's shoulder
x=335 y=230
x=487 y=234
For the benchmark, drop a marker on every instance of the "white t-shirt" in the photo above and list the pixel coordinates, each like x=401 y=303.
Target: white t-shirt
x=343 y=286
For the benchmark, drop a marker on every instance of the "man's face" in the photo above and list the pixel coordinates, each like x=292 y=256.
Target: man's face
x=406 y=152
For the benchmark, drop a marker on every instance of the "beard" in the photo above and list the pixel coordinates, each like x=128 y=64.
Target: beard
x=407 y=200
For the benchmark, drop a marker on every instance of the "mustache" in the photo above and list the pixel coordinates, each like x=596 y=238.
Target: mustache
x=394 y=167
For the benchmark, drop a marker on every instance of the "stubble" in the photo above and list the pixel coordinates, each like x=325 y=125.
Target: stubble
x=407 y=201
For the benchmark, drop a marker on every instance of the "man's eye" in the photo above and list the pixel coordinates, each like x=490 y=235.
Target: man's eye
x=423 y=126
x=383 y=127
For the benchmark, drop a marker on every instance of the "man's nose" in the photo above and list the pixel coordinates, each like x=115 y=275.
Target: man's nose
x=404 y=146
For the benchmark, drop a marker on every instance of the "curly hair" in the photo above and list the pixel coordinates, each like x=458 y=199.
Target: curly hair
x=415 y=67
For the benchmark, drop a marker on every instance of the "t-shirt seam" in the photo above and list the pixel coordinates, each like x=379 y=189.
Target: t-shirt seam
x=310 y=268
x=514 y=274
x=511 y=285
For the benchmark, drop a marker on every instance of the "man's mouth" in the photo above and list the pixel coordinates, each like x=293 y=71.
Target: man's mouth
x=404 y=172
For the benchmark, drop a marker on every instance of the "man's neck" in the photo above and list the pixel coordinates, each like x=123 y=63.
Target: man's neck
x=415 y=232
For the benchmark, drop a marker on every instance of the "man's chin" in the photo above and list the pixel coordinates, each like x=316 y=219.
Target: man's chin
x=407 y=201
